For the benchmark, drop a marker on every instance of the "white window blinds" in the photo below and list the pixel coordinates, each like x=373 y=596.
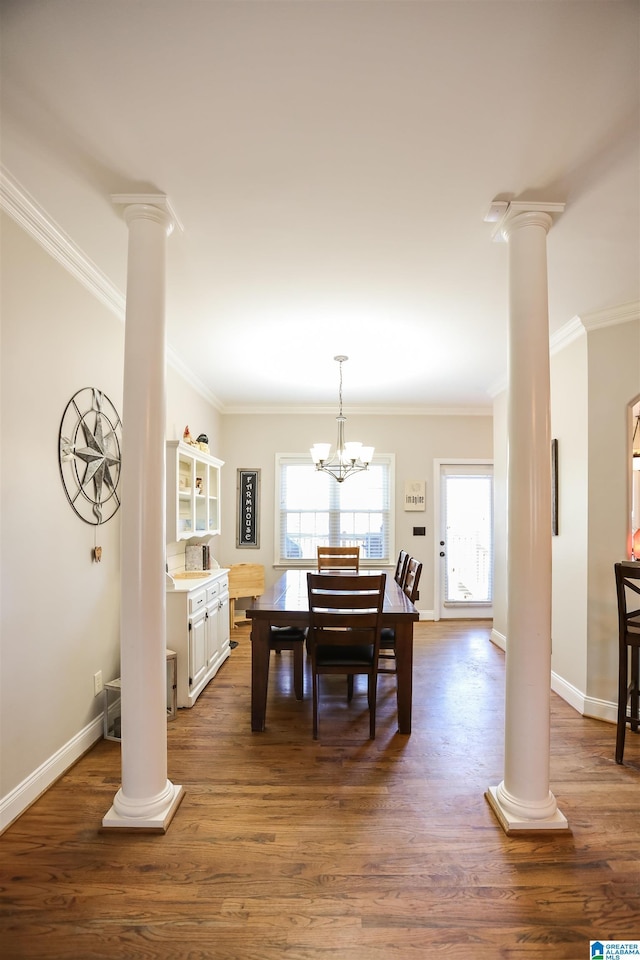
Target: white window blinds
x=314 y=510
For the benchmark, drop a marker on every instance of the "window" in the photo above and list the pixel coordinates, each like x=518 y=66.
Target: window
x=313 y=509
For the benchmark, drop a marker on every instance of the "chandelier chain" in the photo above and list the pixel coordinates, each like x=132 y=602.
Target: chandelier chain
x=349 y=458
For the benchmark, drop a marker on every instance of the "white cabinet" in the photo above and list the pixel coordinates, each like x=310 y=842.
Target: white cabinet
x=193 y=492
x=217 y=624
x=198 y=630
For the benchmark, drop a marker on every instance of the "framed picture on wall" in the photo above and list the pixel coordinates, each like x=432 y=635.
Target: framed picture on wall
x=415 y=495
x=248 y=510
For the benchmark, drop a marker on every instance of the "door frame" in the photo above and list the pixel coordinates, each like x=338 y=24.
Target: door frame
x=437 y=465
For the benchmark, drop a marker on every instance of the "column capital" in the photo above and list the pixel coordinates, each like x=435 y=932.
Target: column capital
x=152 y=206
x=521 y=213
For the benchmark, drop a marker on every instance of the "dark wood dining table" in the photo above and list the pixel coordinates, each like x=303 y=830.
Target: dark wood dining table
x=286 y=604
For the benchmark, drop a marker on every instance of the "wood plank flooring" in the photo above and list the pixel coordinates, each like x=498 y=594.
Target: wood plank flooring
x=350 y=849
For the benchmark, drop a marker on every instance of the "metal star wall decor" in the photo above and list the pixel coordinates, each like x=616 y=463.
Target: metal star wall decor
x=89 y=446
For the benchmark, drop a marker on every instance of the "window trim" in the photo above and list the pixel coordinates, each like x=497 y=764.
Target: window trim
x=304 y=458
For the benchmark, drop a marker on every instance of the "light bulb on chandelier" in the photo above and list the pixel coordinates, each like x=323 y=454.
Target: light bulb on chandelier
x=350 y=457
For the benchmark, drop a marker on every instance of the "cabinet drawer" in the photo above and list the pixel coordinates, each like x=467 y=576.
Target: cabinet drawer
x=212 y=592
x=197 y=600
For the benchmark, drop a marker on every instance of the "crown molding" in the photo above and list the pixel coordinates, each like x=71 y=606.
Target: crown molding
x=187 y=374
x=612 y=316
x=567 y=333
x=281 y=410
x=498 y=387
x=27 y=213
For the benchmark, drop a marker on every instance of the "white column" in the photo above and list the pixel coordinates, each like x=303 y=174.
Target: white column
x=146 y=799
x=523 y=801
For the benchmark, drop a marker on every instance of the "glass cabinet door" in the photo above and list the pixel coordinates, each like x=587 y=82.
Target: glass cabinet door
x=193 y=492
x=200 y=497
x=185 y=496
x=213 y=508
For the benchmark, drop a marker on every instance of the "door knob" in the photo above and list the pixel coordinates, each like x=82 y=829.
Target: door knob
x=442 y=553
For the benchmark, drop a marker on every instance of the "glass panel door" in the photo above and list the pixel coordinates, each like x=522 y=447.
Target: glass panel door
x=466 y=540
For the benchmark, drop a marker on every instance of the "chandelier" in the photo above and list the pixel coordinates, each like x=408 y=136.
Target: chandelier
x=350 y=457
x=635 y=445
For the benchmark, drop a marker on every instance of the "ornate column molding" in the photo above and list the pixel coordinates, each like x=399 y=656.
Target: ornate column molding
x=152 y=203
x=519 y=213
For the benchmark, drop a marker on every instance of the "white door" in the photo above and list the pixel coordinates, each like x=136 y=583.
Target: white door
x=464 y=544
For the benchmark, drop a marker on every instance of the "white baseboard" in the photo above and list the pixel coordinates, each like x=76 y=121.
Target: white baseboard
x=574 y=697
x=586 y=706
x=27 y=792
x=600 y=709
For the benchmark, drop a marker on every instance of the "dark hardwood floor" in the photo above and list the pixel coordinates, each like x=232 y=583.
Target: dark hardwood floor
x=350 y=849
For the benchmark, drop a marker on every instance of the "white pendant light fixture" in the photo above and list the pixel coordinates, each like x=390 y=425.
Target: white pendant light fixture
x=350 y=457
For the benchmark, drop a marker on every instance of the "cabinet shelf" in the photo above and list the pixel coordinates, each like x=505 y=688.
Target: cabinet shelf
x=193 y=492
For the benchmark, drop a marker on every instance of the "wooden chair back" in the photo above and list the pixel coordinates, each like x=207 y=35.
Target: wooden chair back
x=345 y=620
x=401 y=567
x=335 y=559
x=627 y=575
x=409 y=584
x=412 y=579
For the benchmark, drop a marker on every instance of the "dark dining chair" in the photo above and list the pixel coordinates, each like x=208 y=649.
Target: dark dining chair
x=345 y=618
x=401 y=567
x=291 y=638
x=413 y=570
x=628 y=593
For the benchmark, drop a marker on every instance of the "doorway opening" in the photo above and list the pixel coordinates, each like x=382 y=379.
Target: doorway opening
x=464 y=539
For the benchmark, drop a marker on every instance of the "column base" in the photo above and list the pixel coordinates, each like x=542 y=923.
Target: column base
x=156 y=821
x=511 y=823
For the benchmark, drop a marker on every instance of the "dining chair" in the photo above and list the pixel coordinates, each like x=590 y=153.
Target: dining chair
x=413 y=570
x=247 y=580
x=401 y=567
x=628 y=593
x=345 y=618
x=338 y=559
x=291 y=638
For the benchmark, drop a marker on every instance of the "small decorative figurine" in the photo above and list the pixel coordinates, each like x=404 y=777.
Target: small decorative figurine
x=187 y=438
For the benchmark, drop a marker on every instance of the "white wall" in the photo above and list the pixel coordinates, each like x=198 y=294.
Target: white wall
x=499 y=631
x=252 y=441
x=594 y=378
x=59 y=610
x=614 y=380
x=570 y=426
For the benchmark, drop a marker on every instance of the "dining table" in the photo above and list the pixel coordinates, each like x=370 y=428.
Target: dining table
x=286 y=603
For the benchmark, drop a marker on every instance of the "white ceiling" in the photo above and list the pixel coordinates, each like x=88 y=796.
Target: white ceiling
x=331 y=163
